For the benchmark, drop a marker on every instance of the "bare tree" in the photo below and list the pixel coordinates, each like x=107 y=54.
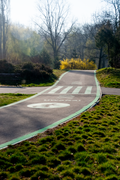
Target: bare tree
x=53 y=26
x=116 y=9
x=75 y=42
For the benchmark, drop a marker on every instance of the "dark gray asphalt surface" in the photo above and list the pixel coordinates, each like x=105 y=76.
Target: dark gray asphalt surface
x=22 y=90
x=75 y=90
x=110 y=91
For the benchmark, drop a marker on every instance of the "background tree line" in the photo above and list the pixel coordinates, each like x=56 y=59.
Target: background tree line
x=56 y=38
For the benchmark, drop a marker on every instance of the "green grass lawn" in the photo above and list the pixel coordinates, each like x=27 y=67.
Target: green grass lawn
x=109 y=77
x=58 y=72
x=9 y=98
x=86 y=148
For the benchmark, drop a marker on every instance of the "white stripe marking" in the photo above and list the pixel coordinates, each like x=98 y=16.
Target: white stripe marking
x=76 y=91
x=64 y=91
x=55 y=89
x=88 y=90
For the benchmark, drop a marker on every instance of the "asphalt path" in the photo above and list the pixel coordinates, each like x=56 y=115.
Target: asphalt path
x=22 y=90
x=110 y=91
x=72 y=94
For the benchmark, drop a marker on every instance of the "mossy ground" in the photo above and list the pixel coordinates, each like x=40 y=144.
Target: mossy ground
x=86 y=148
x=9 y=98
x=109 y=77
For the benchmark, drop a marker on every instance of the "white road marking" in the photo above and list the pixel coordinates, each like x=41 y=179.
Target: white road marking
x=66 y=96
x=88 y=90
x=77 y=82
x=77 y=90
x=55 y=90
x=64 y=91
x=48 y=105
x=47 y=100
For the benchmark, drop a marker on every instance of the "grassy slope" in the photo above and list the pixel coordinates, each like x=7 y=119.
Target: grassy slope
x=58 y=73
x=86 y=148
x=109 y=77
x=6 y=99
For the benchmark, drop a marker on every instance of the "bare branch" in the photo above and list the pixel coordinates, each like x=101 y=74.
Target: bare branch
x=54 y=14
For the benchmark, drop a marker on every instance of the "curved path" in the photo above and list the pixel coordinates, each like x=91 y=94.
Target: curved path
x=75 y=92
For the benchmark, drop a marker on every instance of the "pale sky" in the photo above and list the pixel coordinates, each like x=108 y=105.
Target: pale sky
x=24 y=11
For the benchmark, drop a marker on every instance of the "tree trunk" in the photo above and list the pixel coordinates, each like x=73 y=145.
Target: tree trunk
x=100 y=59
x=3 y=25
x=0 y=37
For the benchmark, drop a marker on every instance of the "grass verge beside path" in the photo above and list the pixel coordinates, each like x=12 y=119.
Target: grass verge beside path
x=109 y=77
x=9 y=98
x=86 y=148
x=58 y=72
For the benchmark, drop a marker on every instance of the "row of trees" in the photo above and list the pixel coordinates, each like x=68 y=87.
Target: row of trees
x=55 y=38
x=108 y=36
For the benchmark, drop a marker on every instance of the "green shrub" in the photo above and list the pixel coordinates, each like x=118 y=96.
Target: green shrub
x=80 y=147
x=59 y=146
x=111 y=177
x=65 y=155
x=77 y=64
x=41 y=159
x=101 y=158
x=18 y=158
x=4 y=163
x=72 y=149
x=29 y=72
x=107 y=167
x=40 y=174
x=47 y=139
x=3 y=175
x=68 y=173
x=6 y=67
x=62 y=167
x=25 y=172
x=77 y=169
x=79 y=177
x=14 y=178
x=85 y=171
x=53 y=161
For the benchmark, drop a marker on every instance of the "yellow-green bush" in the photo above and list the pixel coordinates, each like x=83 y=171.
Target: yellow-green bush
x=77 y=64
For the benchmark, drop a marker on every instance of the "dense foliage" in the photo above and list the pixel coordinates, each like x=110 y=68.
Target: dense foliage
x=77 y=64
x=109 y=39
x=25 y=72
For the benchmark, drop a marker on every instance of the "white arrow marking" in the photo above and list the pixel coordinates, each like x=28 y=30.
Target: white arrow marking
x=48 y=105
